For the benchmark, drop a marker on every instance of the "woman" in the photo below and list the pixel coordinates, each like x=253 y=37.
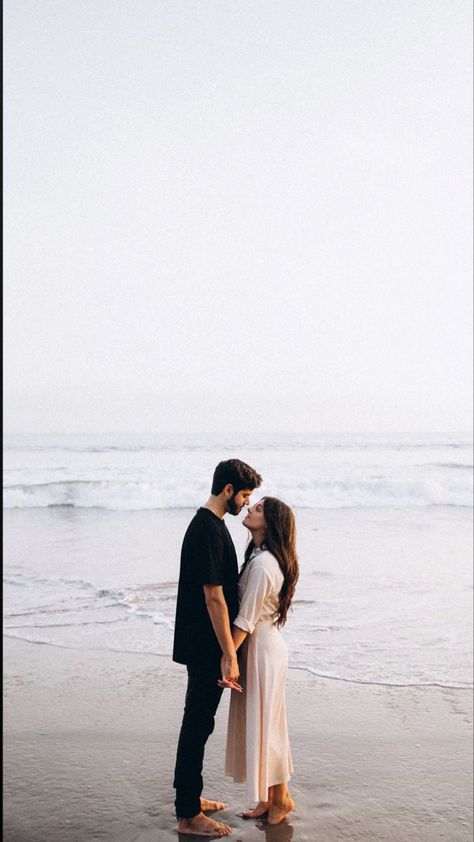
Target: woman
x=258 y=749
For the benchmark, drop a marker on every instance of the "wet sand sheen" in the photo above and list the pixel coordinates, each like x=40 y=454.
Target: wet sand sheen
x=90 y=740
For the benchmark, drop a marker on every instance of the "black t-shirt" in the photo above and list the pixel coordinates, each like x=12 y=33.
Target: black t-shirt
x=208 y=557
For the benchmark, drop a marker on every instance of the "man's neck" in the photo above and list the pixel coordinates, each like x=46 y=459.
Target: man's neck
x=216 y=505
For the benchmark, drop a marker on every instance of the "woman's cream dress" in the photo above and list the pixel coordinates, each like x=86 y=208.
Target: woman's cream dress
x=258 y=749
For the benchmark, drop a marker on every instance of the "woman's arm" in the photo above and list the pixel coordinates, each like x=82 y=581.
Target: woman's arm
x=258 y=587
x=238 y=636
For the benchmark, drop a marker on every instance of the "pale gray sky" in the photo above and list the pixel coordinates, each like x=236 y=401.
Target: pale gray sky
x=237 y=214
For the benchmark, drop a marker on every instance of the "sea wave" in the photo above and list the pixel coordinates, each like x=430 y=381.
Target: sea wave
x=175 y=442
x=452 y=490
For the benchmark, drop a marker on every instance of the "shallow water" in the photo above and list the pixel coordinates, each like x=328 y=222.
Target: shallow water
x=385 y=595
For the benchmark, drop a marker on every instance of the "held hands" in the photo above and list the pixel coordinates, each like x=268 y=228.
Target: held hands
x=231 y=684
x=230 y=673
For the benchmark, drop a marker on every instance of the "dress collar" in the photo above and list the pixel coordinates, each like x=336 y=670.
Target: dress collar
x=257 y=550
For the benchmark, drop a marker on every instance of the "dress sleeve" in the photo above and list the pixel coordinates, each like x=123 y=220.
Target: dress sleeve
x=257 y=588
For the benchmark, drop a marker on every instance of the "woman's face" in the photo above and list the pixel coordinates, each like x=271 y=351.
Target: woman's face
x=255 y=517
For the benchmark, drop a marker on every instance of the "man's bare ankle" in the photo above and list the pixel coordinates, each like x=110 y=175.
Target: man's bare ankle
x=189 y=818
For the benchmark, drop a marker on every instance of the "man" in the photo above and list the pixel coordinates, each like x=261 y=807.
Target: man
x=206 y=606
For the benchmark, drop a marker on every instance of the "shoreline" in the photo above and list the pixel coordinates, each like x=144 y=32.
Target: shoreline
x=90 y=738
x=309 y=670
x=383 y=598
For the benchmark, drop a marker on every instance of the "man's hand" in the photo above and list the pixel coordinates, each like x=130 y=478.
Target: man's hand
x=229 y=667
x=230 y=673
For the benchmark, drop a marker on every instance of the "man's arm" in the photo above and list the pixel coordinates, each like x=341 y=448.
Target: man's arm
x=238 y=636
x=219 y=614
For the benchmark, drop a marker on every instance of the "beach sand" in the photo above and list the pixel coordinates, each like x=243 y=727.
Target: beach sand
x=90 y=740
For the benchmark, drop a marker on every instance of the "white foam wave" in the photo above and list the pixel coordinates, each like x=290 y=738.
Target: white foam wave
x=451 y=490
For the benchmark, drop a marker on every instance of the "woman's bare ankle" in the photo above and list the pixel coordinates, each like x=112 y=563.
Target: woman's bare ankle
x=278 y=811
x=261 y=807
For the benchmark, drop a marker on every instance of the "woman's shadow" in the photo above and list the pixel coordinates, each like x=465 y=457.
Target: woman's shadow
x=277 y=832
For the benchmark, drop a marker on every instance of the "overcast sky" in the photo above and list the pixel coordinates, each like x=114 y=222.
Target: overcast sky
x=237 y=214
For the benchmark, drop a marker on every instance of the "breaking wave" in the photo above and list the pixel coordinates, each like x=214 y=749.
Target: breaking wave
x=455 y=489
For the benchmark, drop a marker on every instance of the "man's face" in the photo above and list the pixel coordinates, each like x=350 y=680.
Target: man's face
x=236 y=502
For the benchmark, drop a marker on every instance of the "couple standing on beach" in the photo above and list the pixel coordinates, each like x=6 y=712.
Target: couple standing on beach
x=218 y=612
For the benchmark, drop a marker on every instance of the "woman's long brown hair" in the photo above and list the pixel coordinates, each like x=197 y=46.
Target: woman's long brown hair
x=280 y=540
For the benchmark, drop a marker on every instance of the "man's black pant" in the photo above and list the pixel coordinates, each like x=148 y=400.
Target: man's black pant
x=202 y=700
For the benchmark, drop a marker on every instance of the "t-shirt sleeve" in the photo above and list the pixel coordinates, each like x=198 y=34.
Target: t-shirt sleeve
x=209 y=558
x=258 y=587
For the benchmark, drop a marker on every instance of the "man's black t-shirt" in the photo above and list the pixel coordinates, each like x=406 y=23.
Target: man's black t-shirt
x=208 y=557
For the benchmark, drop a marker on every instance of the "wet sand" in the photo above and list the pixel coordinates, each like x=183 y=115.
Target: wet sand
x=90 y=740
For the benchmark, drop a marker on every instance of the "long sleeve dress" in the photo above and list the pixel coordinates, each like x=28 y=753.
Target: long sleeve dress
x=258 y=748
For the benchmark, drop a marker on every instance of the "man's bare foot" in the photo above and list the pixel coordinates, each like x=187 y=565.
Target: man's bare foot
x=212 y=806
x=277 y=812
x=200 y=825
x=260 y=810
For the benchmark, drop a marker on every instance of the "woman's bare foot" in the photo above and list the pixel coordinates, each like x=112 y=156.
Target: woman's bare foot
x=212 y=806
x=260 y=810
x=277 y=812
x=200 y=825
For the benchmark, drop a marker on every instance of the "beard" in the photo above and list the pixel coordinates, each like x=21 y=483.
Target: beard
x=232 y=507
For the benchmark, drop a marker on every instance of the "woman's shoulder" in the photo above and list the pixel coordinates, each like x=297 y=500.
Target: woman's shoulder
x=266 y=561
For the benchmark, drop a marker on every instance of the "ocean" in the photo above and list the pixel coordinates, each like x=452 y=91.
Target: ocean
x=93 y=526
